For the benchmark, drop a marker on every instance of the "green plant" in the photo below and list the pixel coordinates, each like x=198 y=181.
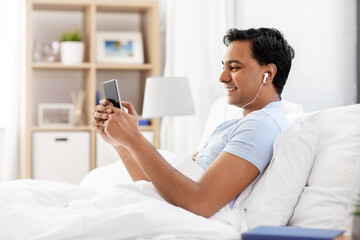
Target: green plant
x=71 y=35
x=357 y=206
x=357 y=210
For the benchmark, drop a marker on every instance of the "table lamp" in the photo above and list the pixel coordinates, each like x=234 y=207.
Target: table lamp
x=167 y=96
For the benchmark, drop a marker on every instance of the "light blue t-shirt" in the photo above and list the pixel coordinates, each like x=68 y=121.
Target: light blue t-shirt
x=250 y=137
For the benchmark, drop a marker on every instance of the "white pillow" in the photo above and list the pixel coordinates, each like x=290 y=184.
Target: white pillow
x=274 y=196
x=103 y=178
x=185 y=164
x=334 y=182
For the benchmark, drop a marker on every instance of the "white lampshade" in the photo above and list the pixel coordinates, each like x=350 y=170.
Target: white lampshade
x=167 y=96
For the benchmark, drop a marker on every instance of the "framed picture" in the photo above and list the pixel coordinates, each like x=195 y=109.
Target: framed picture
x=119 y=47
x=55 y=114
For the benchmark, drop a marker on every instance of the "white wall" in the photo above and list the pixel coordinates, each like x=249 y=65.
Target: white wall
x=323 y=34
x=1 y=144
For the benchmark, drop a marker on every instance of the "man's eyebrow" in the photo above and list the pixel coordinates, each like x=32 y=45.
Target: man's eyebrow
x=231 y=61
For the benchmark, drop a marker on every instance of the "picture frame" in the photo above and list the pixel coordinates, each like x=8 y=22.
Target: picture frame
x=119 y=47
x=55 y=114
x=46 y=51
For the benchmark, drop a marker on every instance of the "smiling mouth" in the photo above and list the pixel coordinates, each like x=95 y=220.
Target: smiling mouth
x=230 y=89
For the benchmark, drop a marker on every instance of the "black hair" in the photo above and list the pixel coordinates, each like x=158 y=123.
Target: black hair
x=268 y=45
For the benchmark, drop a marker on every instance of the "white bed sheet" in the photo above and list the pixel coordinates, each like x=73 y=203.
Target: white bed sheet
x=35 y=209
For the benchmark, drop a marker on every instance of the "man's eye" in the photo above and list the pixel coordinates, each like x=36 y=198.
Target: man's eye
x=232 y=68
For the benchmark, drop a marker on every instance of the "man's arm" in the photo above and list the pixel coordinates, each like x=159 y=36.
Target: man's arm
x=99 y=117
x=131 y=165
x=227 y=176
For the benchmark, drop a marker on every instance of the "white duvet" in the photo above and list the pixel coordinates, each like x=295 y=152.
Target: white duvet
x=106 y=206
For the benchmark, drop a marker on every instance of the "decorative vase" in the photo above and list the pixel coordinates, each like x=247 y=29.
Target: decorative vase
x=78 y=117
x=356 y=228
x=71 y=52
x=47 y=51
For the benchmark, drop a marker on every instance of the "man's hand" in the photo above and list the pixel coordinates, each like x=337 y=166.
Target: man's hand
x=121 y=126
x=100 y=115
x=115 y=126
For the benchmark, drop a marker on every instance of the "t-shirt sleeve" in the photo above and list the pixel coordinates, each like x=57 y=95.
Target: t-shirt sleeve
x=253 y=140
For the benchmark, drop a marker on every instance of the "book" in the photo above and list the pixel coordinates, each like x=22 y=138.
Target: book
x=291 y=233
x=144 y=122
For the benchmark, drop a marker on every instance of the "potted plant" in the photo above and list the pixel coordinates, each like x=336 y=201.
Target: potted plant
x=71 y=48
x=356 y=224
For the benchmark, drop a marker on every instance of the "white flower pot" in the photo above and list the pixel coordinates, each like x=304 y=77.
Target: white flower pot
x=72 y=52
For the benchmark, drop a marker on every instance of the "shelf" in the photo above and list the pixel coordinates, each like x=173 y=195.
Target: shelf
x=58 y=65
x=63 y=5
x=124 y=6
x=102 y=5
x=55 y=129
x=78 y=128
x=99 y=66
x=146 y=128
x=116 y=66
x=50 y=82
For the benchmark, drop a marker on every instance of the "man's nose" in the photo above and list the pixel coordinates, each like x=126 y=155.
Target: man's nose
x=225 y=76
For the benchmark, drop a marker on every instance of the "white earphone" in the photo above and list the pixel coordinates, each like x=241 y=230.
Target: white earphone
x=257 y=94
x=266 y=75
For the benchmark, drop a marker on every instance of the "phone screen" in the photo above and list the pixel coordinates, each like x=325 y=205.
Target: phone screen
x=112 y=93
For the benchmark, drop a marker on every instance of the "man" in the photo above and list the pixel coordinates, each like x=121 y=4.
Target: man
x=255 y=68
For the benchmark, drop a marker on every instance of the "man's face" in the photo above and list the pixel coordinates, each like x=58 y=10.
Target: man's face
x=242 y=75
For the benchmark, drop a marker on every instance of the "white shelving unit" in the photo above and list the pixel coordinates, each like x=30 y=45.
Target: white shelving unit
x=52 y=82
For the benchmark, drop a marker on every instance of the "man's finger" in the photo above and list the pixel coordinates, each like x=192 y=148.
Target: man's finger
x=96 y=122
x=111 y=109
x=106 y=102
x=105 y=125
x=130 y=108
x=100 y=108
x=100 y=116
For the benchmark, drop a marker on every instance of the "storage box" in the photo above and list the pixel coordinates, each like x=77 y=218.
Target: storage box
x=106 y=154
x=61 y=156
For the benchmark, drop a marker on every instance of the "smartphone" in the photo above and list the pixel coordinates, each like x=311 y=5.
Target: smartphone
x=112 y=93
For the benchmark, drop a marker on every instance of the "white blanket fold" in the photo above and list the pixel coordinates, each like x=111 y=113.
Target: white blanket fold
x=35 y=209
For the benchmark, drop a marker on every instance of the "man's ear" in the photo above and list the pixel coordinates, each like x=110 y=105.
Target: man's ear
x=271 y=69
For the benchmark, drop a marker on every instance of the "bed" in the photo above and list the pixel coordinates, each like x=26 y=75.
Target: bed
x=313 y=180
x=106 y=205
